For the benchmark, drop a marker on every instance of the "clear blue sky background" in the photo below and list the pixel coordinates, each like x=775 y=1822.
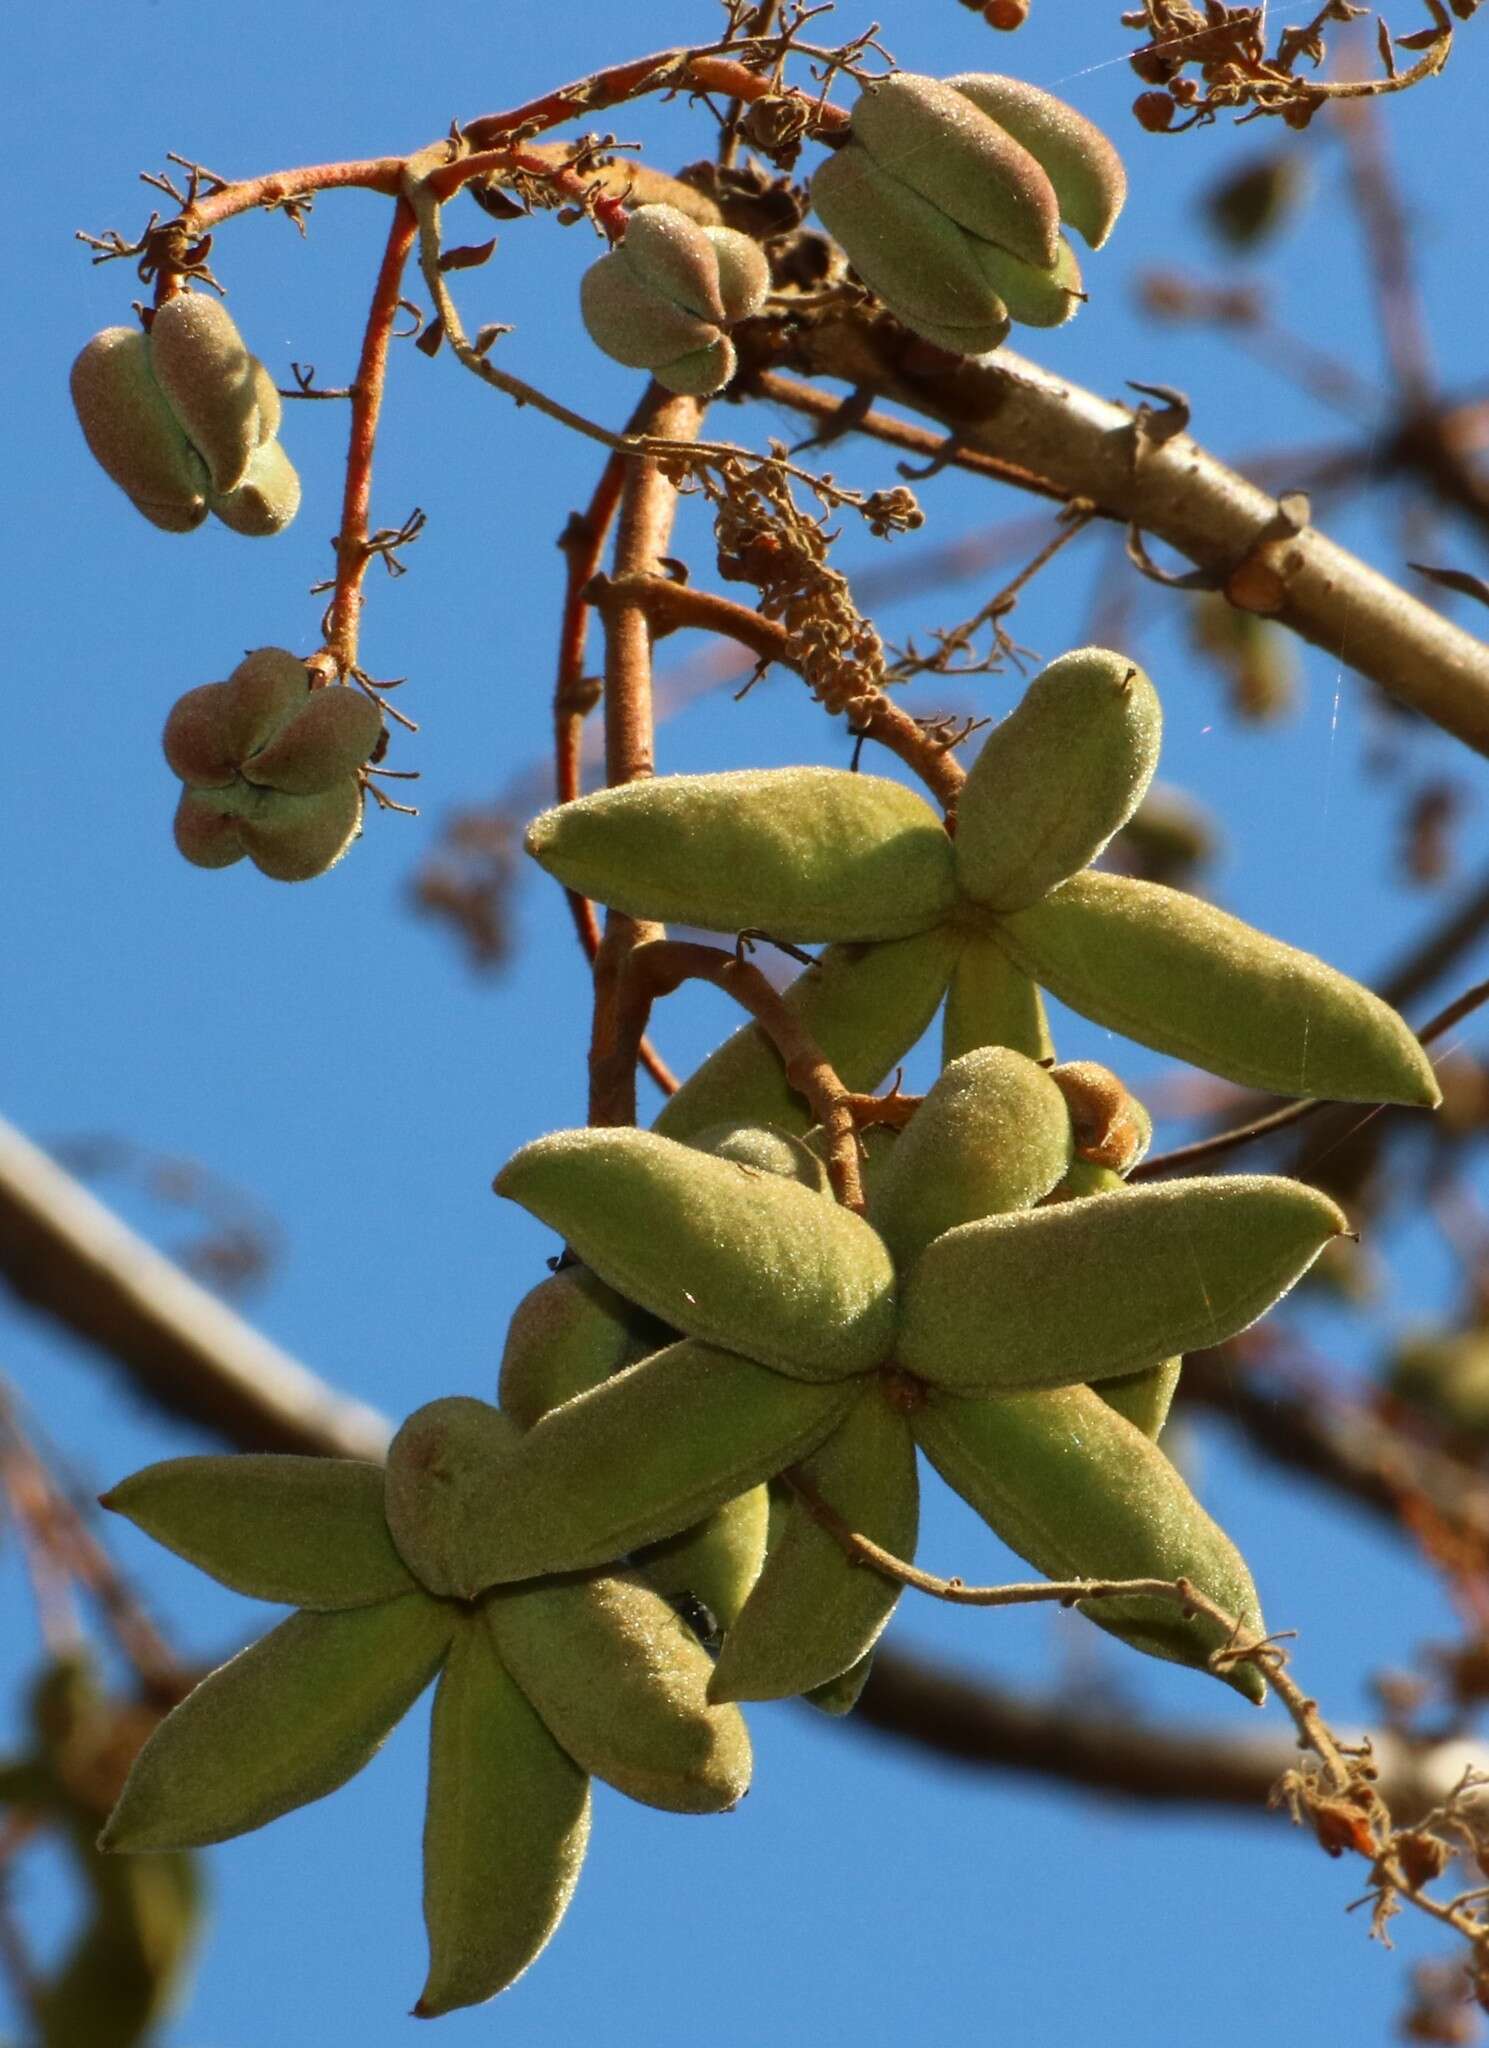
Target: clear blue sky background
x=330 y=1054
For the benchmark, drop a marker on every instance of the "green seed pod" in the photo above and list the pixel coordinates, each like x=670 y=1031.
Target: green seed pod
x=1080 y=163
x=717 y=1561
x=992 y=1002
x=1184 y=978
x=700 y=373
x=267 y=499
x=840 y=1695
x=970 y=168
x=643 y=1456
x=919 y=262
x=201 y=364
x=1080 y=1493
x=1090 y=1289
x=622 y=1683
x=864 y=1005
x=306 y=1531
x=813 y=1614
x=744 y=272
x=505 y=1830
x=659 y=300
x=293 y=838
x=442 y=1465
x=1037 y=298
x=1060 y=775
x=1144 y=1398
x=632 y=323
x=992 y=1135
x=803 y=853
x=270 y=405
x=566 y=1335
x=325 y=743
x=765 y=1148
x=745 y=1260
x=673 y=258
x=212 y=730
x=123 y=1972
x=206 y=834
x=279 y=1725
x=132 y=433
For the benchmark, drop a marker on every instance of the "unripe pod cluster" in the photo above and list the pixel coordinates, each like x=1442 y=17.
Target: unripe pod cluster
x=185 y=420
x=271 y=768
x=661 y=299
x=948 y=200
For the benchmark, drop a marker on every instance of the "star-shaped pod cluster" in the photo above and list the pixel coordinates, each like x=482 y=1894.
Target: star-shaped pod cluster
x=965 y=1316
x=272 y=767
x=948 y=198
x=186 y=421
x=540 y=1684
x=663 y=298
x=1006 y=907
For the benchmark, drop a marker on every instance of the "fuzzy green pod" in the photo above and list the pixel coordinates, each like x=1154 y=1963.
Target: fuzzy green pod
x=1063 y=772
x=327 y=741
x=566 y=1335
x=840 y=1695
x=266 y=499
x=309 y=1532
x=864 y=1005
x=765 y=1148
x=633 y=323
x=214 y=728
x=660 y=299
x=993 y=1134
x=813 y=1615
x=920 y=263
x=281 y=1724
x=1185 y=978
x=444 y=1463
x=803 y=853
x=505 y=1830
x=674 y=258
x=1144 y=1398
x=717 y=1561
x=643 y=1456
x=1080 y=1493
x=746 y=1260
x=132 y=433
x=200 y=362
x=288 y=838
x=1089 y=1289
x=744 y=272
x=1081 y=164
x=939 y=143
x=622 y=1683
x=992 y=1002
x=1034 y=297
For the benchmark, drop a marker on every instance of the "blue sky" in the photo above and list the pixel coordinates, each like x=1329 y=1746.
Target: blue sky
x=330 y=1055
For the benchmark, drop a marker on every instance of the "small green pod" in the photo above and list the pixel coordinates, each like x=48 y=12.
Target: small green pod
x=505 y=1830
x=268 y=497
x=701 y=372
x=283 y=1723
x=200 y=362
x=1080 y=1493
x=133 y=435
x=992 y=1002
x=1081 y=164
x=717 y=1561
x=643 y=1456
x=443 y=1464
x=920 y=263
x=803 y=853
x=746 y=1260
x=1063 y=772
x=814 y=1614
x=309 y=1532
x=295 y=838
x=213 y=729
x=1035 y=298
x=270 y=404
x=632 y=323
x=673 y=258
x=206 y=833
x=940 y=143
x=1144 y=1398
x=840 y=1695
x=992 y=1135
x=622 y=1683
x=566 y=1335
x=864 y=1005
x=765 y=1148
x=325 y=743
x=1187 y=979
x=1093 y=1289
x=744 y=272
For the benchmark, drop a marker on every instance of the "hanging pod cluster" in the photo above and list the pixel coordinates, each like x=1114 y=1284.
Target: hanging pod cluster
x=948 y=198
x=271 y=767
x=540 y=1686
x=663 y=297
x=186 y=421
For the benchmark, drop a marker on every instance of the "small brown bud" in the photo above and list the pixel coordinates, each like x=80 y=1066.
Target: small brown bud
x=1155 y=111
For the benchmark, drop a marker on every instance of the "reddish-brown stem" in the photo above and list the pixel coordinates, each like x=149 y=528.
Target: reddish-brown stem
x=648 y=507
x=658 y=966
x=352 y=551
x=672 y=605
x=371 y=174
